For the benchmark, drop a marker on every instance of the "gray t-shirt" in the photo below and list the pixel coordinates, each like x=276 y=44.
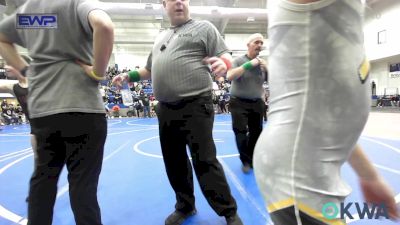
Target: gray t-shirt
x=56 y=83
x=249 y=85
x=178 y=70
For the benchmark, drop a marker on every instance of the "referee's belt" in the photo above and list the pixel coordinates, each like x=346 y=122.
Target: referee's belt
x=248 y=100
x=187 y=100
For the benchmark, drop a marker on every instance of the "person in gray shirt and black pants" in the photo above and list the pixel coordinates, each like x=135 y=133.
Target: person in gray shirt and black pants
x=65 y=105
x=182 y=84
x=248 y=74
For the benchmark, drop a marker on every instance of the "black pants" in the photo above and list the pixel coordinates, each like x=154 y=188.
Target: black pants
x=265 y=112
x=222 y=105
x=77 y=141
x=190 y=122
x=247 y=119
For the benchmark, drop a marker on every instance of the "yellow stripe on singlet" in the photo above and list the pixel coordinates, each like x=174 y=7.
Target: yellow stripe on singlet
x=318 y=215
x=280 y=205
x=363 y=70
x=305 y=209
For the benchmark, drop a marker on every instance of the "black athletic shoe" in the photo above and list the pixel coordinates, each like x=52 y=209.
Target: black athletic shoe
x=233 y=220
x=177 y=217
x=246 y=168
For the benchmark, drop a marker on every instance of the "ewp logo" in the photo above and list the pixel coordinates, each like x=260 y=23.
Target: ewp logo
x=374 y=211
x=37 y=21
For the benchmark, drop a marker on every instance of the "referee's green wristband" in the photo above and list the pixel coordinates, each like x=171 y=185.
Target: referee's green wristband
x=247 y=65
x=134 y=76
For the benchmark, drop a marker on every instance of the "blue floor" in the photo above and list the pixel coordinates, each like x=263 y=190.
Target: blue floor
x=134 y=188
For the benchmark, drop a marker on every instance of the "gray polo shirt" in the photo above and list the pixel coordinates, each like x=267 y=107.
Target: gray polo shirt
x=178 y=70
x=56 y=83
x=249 y=85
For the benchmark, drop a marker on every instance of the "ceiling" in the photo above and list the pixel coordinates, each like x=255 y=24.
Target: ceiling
x=138 y=22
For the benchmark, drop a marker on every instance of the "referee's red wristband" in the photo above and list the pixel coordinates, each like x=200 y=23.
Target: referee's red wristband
x=227 y=62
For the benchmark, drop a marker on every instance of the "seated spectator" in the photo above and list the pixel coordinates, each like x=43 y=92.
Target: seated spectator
x=379 y=102
x=395 y=101
x=118 y=97
x=131 y=111
x=116 y=110
x=9 y=115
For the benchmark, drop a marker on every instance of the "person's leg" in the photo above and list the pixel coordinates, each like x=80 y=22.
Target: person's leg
x=208 y=170
x=255 y=127
x=84 y=135
x=177 y=164
x=144 y=112
x=265 y=112
x=7 y=119
x=239 y=125
x=148 y=111
x=49 y=161
x=34 y=150
x=34 y=145
x=221 y=105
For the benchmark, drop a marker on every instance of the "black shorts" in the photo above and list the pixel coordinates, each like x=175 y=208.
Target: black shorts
x=286 y=216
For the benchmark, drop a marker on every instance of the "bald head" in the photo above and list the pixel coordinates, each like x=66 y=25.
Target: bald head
x=254 y=44
x=253 y=37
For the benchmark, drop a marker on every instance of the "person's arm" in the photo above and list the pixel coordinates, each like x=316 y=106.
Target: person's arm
x=134 y=75
x=217 y=53
x=237 y=72
x=374 y=188
x=103 y=40
x=220 y=65
x=11 y=72
x=131 y=76
x=263 y=65
x=10 y=54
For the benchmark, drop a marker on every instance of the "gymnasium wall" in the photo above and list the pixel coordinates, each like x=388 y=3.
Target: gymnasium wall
x=382 y=41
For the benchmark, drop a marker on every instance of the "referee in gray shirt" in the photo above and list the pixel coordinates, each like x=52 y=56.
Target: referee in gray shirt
x=182 y=84
x=248 y=74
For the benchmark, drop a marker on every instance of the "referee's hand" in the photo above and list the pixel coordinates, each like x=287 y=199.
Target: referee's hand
x=119 y=80
x=218 y=67
x=11 y=72
x=87 y=68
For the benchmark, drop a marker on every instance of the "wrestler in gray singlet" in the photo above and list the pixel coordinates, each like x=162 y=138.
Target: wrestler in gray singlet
x=319 y=104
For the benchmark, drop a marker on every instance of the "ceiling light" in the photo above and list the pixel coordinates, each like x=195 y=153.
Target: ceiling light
x=250 y=19
x=148 y=6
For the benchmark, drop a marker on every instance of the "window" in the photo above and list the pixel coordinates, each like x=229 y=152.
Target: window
x=381 y=37
x=394 y=67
